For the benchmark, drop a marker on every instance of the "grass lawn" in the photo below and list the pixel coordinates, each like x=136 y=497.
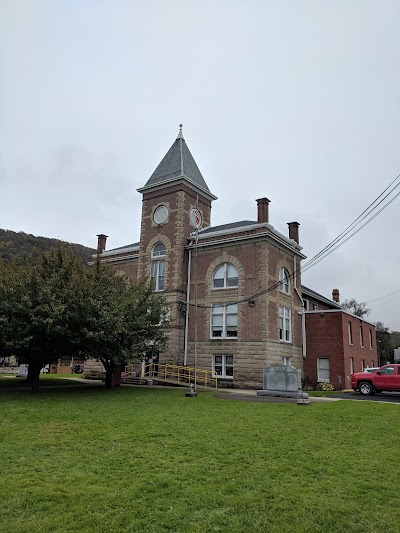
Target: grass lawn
x=46 y=380
x=148 y=459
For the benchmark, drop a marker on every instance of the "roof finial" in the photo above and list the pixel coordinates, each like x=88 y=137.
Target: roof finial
x=180 y=134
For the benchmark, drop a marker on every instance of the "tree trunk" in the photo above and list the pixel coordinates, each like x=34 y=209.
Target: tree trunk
x=34 y=379
x=109 y=378
x=110 y=371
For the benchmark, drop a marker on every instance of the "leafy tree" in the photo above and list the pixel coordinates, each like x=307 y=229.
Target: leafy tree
x=40 y=308
x=121 y=320
x=56 y=307
x=385 y=346
x=356 y=308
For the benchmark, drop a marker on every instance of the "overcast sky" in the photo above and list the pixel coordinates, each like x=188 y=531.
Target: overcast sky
x=294 y=100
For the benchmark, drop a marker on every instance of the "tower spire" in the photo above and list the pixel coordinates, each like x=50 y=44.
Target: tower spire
x=180 y=134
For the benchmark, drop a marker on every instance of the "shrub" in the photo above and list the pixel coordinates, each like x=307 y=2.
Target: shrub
x=325 y=387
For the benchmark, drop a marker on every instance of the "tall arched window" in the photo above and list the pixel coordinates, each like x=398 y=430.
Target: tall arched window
x=284 y=281
x=158 y=266
x=225 y=276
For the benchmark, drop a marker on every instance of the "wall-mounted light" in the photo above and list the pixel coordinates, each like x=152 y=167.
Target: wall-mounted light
x=251 y=303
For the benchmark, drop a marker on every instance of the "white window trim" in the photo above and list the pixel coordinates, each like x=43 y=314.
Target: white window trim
x=157 y=276
x=361 y=337
x=224 y=365
x=284 y=280
x=224 y=313
x=287 y=361
x=350 y=332
x=225 y=278
x=284 y=317
x=319 y=379
x=158 y=258
x=158 y=254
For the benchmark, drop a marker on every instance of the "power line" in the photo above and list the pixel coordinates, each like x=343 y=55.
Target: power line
x=333 y=245
x=355 y=223
x=308 y=265
x=381 y=297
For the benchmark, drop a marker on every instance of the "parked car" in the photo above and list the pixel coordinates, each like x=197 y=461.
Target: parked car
x=386 y=378
x=22 y=371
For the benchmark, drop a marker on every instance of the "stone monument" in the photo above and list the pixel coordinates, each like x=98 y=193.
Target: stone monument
x=282 y=381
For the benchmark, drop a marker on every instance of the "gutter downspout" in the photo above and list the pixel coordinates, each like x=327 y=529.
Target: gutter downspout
x=187 y=308
x=303 y=325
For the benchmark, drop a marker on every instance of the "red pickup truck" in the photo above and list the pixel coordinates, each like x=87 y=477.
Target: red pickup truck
x=386 y=378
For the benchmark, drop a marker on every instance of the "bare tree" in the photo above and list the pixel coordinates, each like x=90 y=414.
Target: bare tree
x=356 y=308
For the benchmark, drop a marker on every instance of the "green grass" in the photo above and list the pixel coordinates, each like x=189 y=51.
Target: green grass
x=46 y=380
x=152 y=460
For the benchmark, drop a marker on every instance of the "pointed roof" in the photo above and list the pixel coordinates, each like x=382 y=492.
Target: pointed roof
x=178 y=163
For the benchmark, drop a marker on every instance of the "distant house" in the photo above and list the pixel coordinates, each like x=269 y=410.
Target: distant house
x=336 y=342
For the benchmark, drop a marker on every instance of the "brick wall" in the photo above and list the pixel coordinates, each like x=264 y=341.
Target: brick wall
x=327 y=336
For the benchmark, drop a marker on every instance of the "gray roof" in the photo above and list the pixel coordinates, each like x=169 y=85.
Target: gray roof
x=232 y=225
x=122 y=247
x=318 y=296
x=177 y=163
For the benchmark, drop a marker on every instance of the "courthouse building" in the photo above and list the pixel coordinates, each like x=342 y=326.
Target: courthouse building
x=235 y=288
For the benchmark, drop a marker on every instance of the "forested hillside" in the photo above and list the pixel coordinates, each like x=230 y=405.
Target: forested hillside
x=19 y=246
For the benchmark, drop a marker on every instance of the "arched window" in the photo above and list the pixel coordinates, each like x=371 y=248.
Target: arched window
x=284 y=281
x=158 y=250
x=158 y=266
x=225 y=276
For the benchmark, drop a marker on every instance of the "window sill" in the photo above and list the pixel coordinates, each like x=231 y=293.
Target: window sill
x=285 y=342
x=223 y=338
x=229 y=378
x=224 y=288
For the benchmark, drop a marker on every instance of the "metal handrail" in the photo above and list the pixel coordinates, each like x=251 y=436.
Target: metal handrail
x=180 y=374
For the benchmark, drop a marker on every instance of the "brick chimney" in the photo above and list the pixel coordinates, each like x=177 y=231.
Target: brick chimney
x=262 y=210
x=294 y=231
x=101 y=243
x=335 y=295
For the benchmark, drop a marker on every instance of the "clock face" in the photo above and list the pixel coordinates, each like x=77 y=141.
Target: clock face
x=160 y=214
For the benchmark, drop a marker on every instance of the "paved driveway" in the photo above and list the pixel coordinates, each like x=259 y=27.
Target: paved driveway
x=391 y=397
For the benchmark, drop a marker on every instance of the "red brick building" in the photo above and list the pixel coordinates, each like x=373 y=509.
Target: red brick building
x=337 y=343
x=233 y=288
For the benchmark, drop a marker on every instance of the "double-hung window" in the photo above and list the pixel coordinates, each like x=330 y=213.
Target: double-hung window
x=323 y=370
x=285 y=327
x=223 y=366
x=284 y=281
x=350 y=333
x=224 y=321
x=225 y=277
x=158 y=266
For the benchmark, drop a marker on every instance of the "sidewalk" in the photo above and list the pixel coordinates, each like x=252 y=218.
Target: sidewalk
x=251 y=396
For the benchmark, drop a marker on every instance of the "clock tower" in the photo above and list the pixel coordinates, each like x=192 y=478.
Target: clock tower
x=175 y=188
